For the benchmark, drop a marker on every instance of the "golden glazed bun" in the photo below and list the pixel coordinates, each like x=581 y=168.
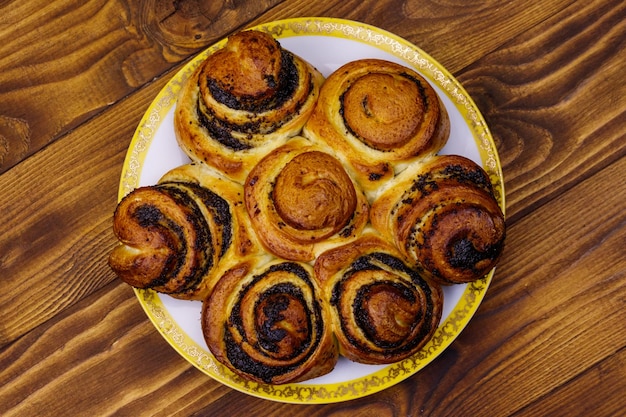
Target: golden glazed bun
x=243 y=101
x=301 y=200
x=442 y=215
x=179 y=236
x=382 y=310
x=378 y=116
x=267 y=322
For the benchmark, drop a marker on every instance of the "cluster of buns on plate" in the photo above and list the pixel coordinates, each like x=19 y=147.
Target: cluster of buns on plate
x=316 y=218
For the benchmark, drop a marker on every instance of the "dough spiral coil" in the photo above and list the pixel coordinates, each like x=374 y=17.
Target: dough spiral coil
x=443 y=215
x=378 y=116
x=178 y=236
x=301 y=200
x=242 y=101
x=266 y=322
x=383 y=311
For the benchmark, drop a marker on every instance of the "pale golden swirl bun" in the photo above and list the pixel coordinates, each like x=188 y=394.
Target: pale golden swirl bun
x=179 y=236
x=383 y=310
x=242 y=101
x=443 y=215
x=301 y=200
x=267 y=322
x=378 y=116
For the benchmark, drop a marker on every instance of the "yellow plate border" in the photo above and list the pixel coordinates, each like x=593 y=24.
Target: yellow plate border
x=447 y=331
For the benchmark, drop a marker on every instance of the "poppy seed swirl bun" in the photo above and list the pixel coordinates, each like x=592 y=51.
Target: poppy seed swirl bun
x=382 y=310
x=266 y=322
x=301 y=200
x=242 y=101
x=442 y=215
x=177 y=237
x=379 y=116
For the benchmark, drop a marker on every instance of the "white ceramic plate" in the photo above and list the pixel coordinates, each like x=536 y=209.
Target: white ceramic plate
x=327 y=44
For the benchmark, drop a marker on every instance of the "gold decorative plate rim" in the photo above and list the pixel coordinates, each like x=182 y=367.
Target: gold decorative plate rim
x=448 y=330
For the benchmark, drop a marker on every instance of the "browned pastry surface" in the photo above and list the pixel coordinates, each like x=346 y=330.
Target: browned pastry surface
x=383 y=311
x=151 y=254
x=442 y=215
x=244 y=100
x=177 y=237
x=267 y=322
x=301 y=200
x=378 y=116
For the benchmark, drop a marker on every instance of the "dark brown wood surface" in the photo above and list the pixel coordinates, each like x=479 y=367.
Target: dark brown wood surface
x=548 y=76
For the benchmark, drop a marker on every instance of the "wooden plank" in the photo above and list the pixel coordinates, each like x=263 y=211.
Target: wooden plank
x=554 y=100
x=103 y=51
x=572 y=399
x=56 y=256
x=447 y=31
x=86 y=363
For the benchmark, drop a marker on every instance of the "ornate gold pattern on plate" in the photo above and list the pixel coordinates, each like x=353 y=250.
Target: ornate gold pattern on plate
x=448 y=330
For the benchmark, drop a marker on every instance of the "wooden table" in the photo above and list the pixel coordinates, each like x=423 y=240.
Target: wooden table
x=549 y=78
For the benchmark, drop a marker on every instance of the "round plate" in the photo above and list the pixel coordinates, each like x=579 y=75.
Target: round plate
x=327 y=44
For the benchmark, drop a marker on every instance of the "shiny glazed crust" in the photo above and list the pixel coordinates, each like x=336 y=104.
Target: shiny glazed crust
x=383 y=311
x=378 y=116
x=442 y=215
x=267 y=322
x=242 y=101
x=301 y=200
x=179 y=236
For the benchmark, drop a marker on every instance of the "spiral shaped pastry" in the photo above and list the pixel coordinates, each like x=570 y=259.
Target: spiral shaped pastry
x=300 y=200
x=267 y=323
x=179 y=236
x=242 y=101
x=444 y=217
x=382 y=310
x=379 y=116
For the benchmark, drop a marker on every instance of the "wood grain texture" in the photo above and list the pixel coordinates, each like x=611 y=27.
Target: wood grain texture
x=54 y=249
x=85 y=56
x=86 y=355
x=553 y=99
x=572 y=399
x=446 y=30
x=549 y=337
